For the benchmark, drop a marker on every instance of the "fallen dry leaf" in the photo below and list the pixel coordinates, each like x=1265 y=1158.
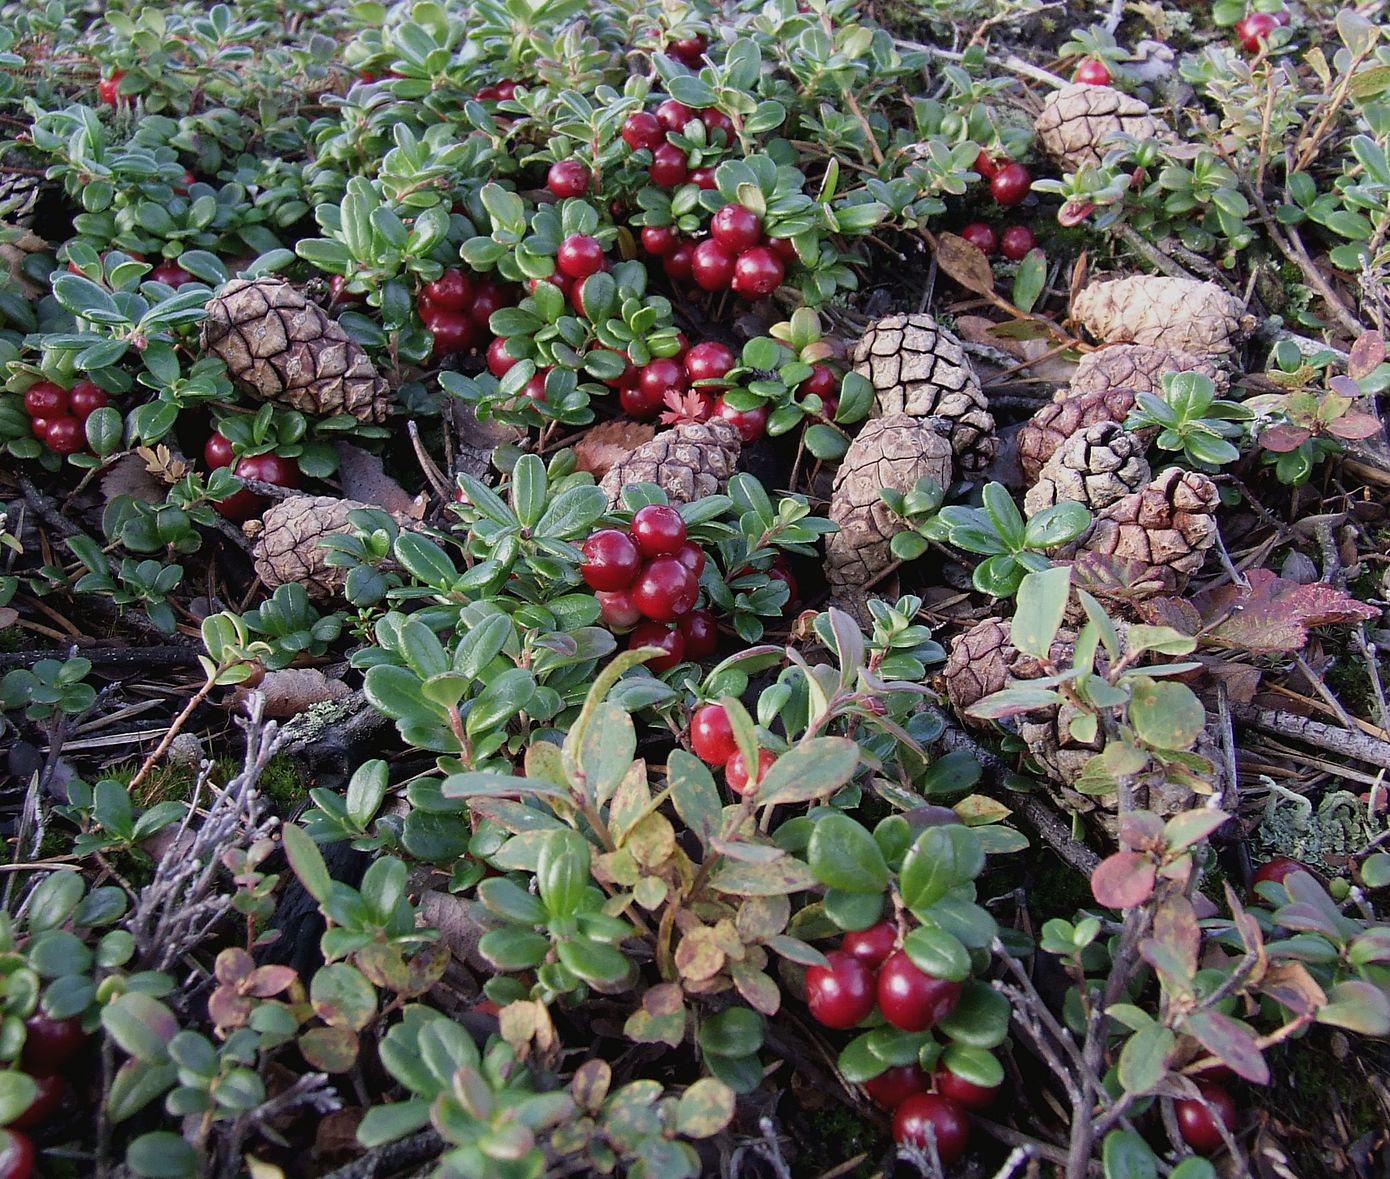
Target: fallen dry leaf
x=288 y=693
x=1272 y=614
x=609 y=443
x=365 y=479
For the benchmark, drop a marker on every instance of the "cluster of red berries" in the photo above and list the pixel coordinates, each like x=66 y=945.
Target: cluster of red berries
x=493 y=92
x=870 y=971
x=712 y=738
x=1254 y=28
x=670 y=166
x=456 y=309
x=1014 y=243
x=268 y=468
x=1009 y=182
x=648 y=579
x=49 y=1044
x=735 y=256
x=57 y=415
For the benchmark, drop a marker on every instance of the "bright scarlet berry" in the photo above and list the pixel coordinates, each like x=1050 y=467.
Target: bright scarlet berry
x=757 y=273
x=895 y=1085
x=981 y=236
x=925 y=1116
x=580 y=256
x=617 y=609
x=712 y=266
x=1254 y=30
x=567 y=178
x=651 y=634
x=658 y=530
x=664 y=589
x=452 y=290
x=659 y=240
x=679 y=263
x=709 y=360
x=701 y=632
x=873 y=945
x=1092 y=72
x=499 y=360
x=736 y=228
x=641 y=130
x=171 y=273
x=109 y=88
x=963 y=1092
x=64 y=435
x=1017 y=241
x=1010 y=185
x=611 y=560
x=50 y=1043
x=673 y=115
x=711 y=734
x=45 y=399
x=910 y=999
x=217 y=451
x=841 y=993
x=1199 y=1126
x=16 y=1155
x=736 y=771
x=669 y=166
x=751 y=424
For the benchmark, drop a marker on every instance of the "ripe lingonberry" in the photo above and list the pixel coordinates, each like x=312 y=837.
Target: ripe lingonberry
x=669 y=166
x=712 y=266
x=701 y=633
x=736 y=228
x=617 y=609
x=64 y=435
x=895 y=1085
x=985 y=165
x=567 y=178
x=1017 y=241
x=51 y=1091
x=50 y=1043
x=963 y=1092
x=750 y=423
x=611 y=560
x=910 y=999
x=673 y=115
x=16 y=1155
x=453 y=331
x=1198 y=1125
x=85 y=398
x=1276 y=871
x=217 y=451
x=499 y=360
x=711 y=734
x=641 y=130
x=171 y=273
x=659 y=240
x=452 y=290
x=873 y=945
x=679 y=263
x=1254 y=30
x=926 y=1116
x=736 y=771
x=45 y=399
x=692 y=556
x=660 y=376
x=651 y=634
x=639 y=403
x=708 y=361
x=716 y=120
x=981 y=236
x=841 y=993
x=757 y=273
x=270 y=468
x=488 y=298
x=658 y=531
x=703 y=178
x=822 y=383
x=665 y=589
x=109 y=88
x=1092 y=72
x=580 y=256
x=534 y=389
x=1010 y=184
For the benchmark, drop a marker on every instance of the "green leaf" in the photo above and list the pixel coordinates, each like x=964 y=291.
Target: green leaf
x=1030 y=280
x=843 y=855
x=975 y=1065
x=161 y=1155
x=938 y=953
x=562 y=874
x=342 y=996
x=17 y=1093
x=735 y=1032
x=304 y=857
x=1144 y=1059
x=1125 y=1155
x=1042 y=604
x=609 y=745
x=811 y=769
x=1165 y=715
x=1056 y=525
x=941 y=859
x=980 y=1017
x=694 y=794
x=141 y=1025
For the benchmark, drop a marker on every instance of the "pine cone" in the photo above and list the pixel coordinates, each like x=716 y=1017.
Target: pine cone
x=19 y=197
x=1094 y=467
x=893 y=452
x=285 y=543
x=280 y=347
x=1077 y=120
x=1168 y=525
x=1137 y=367
x=980 y=664
x=688 y=462
x=1180 y=313
x=1053 y=423
x=919 y=368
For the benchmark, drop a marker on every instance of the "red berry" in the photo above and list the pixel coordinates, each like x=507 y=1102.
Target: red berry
x=1276 y=871
x=688 y=49
x=1017 y=241
x=736 y=228
x=488 y=298
x=757 y=273
x=555 y=279
x=452 y=290
x=736 y=771
x=665 y=589
x=499 y=360
x=638 y=403
x=712 y=266
x=38 y=427
x=822 y=383
x=64 y=435
x=750 y=423
x=895 y=1085
x=673 y=115
x=658 y=531
x=170 y=272
x=660 y=376
x=964 y=1092
x=50 y=1043
x=985 y=165
x=981 y=236
x=659 y=240
x=701 y=632
x=703 y=178
x=1198 y=1125
x=45 y=399
x=708 y=361
x=580 y=256
x=611 y=560
x=52 y=1090
x=717 y=120
x=841 y=993
x=567 y=178
x=679 y=263
x=873 y=945
x=535 y=387
x=453 y=331
x=780 y=572
x=617 y=609
x=783 y=248
x=1254 y=29
x=270 y=468
x=711 y=734
x=16 y=1155
x=911 y=1000
x=217 y=452
x=1010 y=184
x=641 y=130
x=692 y=556
x=650 y=634
x=926 y=1116
x=669 y=166
x=1092 y=72
x=108 y=89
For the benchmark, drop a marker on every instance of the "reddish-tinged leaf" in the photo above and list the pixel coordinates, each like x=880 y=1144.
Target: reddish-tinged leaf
x=1355 y=426
x=1175 y=925
x=1123 y=880
x=1274 y=615
x=1366 y=353
x=1230 y=1042
x=1284 y=438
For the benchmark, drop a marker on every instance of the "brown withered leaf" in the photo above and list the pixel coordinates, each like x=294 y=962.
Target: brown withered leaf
x=131 y=475
x=964 y=263
x=1366 y=353
x=610 y=442
x=365 y=479
x=294 y=690
x=1123 y=880
x=1271 y=614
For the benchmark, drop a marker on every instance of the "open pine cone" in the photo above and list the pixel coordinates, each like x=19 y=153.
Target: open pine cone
x=280 y=347
x=1094 y=467
x=1139 y=368
x=979 y=664
x=1168 y=525
x=1077 y=120
x=688 y=462
x=1180 y=313
x=919 y=368
x=893 y=452
x=286 y=543
x=1053 y=423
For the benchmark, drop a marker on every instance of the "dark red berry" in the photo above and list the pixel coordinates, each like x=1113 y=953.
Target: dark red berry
x=1017 y=241
x=783 y=248
x=16 y=1155
x=964 y=1092
x=688 y=49
x=822 y=383
x=981 y=236
x=780 y=572
x=709 y=361
x=712 y=266
x=895 y=1085
x=50 y=1043
x=51 y=1091
x=750 y=423
x=641 y=130
x=927 y=1116
x=45 y=399
x=171 y=273
x=679 y=263
x=703 y=178
x=488 y=298
x=659 y=240
x=692 y=556
x=453 y=331
x=873 y=945
x=841 y=993
x=1010 y=185
x=711 y=734
x=665 y=589
x=338 y=289
x=108 y=89
x=673 y=115
x=535 y=387
x=658 y=531
x=1092 y=72
x=1254 y=30
x=270 y=468
x=911 y=1000
x=716 y=120
x=567 y=178
x=736 y=771
x=499 y=360
x=1276 y=871
x=1199 y=1126
x=639 y=403
x=617 y=609
x=701 y=633
x=217 y=452
x=452 y=290
x=985 y=165
x=669 y=166
x=611 y=560
x=64 y=435
x=660 y=376
x=580 y=256
x=651 y=634
x=757 y=273
x=736 y=228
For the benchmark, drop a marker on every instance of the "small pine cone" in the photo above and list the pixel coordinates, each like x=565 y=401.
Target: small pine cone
x=1049 y=740
x=280 y=347
x=1094 y=467
x=979 y=665
x=19 y=197
x=285 y=543
x=1163 y=312
x=890 y=452
x=919 y=368
x=1137 y=367
x=688 y=462
x=1053 y=423
x=1168 y=525
x=1077 y=120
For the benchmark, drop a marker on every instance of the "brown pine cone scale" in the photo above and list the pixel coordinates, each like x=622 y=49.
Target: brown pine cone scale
x=1053 y=423
x=1077 y=120
x=1094 y=467
x=1162 y=312
x=286 y=543
x=1139 y=368
x=688 y=462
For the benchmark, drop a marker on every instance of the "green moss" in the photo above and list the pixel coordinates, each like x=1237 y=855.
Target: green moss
x=281 y=783
x=12 y=638
x=845 y=1134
